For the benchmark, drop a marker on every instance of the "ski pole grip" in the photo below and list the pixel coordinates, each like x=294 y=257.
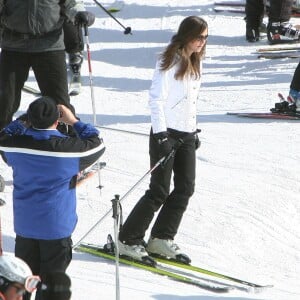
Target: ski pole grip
x=115 y=206
x=86 y=30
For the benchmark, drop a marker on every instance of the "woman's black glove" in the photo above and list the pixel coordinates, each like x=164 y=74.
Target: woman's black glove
x=165 y=146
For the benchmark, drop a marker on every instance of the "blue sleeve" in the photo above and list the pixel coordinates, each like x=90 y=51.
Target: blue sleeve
x=85 y=130
x=15 y=128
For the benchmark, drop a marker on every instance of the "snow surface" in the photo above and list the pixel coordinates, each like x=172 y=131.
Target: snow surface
x=244 y=218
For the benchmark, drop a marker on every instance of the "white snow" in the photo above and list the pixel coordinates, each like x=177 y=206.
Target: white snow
x=244 y=218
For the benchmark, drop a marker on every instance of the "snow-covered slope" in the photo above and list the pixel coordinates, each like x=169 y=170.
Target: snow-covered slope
x=244 y=218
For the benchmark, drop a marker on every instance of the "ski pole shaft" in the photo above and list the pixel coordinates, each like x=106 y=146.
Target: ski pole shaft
x=127 y=30
x=109 y=211
x=86 y=34
x=116 y=215
x=159 y=162
x=2 y=202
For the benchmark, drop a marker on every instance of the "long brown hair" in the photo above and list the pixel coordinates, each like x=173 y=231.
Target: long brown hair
x=189 y=29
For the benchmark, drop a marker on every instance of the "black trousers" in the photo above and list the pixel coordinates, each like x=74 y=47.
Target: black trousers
x=73 y=38
x=254 y=11
x=44 y=256
x=50 y=72
x=157 y=196
x=295 y=84
x=279 y=11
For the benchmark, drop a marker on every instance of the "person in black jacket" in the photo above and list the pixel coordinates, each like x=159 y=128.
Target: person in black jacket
x=279 y=30
x=32 y=36
x=45 y=166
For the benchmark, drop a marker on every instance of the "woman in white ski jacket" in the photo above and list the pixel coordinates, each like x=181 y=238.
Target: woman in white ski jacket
x=173 y=97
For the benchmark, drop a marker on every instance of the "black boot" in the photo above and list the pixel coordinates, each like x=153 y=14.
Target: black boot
x=75 y=61
x=252 y=34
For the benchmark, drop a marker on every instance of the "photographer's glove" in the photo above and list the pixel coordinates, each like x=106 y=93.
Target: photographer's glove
x=84 y=18
x=165 y=146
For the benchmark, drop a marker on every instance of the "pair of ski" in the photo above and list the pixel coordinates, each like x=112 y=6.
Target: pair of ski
x=185 y=273
x=270 y=115
x=279 y=51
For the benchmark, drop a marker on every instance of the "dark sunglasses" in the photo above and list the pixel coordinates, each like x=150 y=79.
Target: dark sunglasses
x=201 y=38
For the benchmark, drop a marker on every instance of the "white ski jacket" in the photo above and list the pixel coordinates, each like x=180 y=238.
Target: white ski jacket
x=173 y=102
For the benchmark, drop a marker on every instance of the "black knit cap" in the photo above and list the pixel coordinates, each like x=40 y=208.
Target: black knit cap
x=43 y=112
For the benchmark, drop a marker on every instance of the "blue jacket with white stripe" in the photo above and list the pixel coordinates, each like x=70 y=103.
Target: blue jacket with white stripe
x=45 y=165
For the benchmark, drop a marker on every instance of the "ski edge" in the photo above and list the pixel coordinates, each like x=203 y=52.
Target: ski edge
x=266 y=115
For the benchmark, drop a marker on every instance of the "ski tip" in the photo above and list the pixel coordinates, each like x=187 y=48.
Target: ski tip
x=113 y=10
x=258 y=289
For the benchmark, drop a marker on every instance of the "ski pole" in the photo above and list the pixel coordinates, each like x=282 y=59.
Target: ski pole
x=127 y=30
x=2 y=202
x=161 y=161
x=128 y=192
x=116 y=216
x=86 y=34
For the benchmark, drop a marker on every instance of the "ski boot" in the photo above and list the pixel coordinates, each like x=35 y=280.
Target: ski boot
x=294 y=97
x=137 y=253
x=75 y=61
x=285 y=106
x=166 y=248
x=282 y=32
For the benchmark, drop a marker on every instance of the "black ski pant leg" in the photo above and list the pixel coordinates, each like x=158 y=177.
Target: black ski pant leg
x=170 y=215
x=133 y=230
x=280 y=10
x=254 y=11
x=29 y=251
x=44 y=256
x=14 y=70
x=73 y=38
x=295 y=84
x=50 y=71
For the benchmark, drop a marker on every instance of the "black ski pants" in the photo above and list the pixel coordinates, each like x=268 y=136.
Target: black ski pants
x=279 y=11
x=254 y=10
x=295 y=84
x=73 y=38
x=173 y=204
x=44 y=256
x=50 y=72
